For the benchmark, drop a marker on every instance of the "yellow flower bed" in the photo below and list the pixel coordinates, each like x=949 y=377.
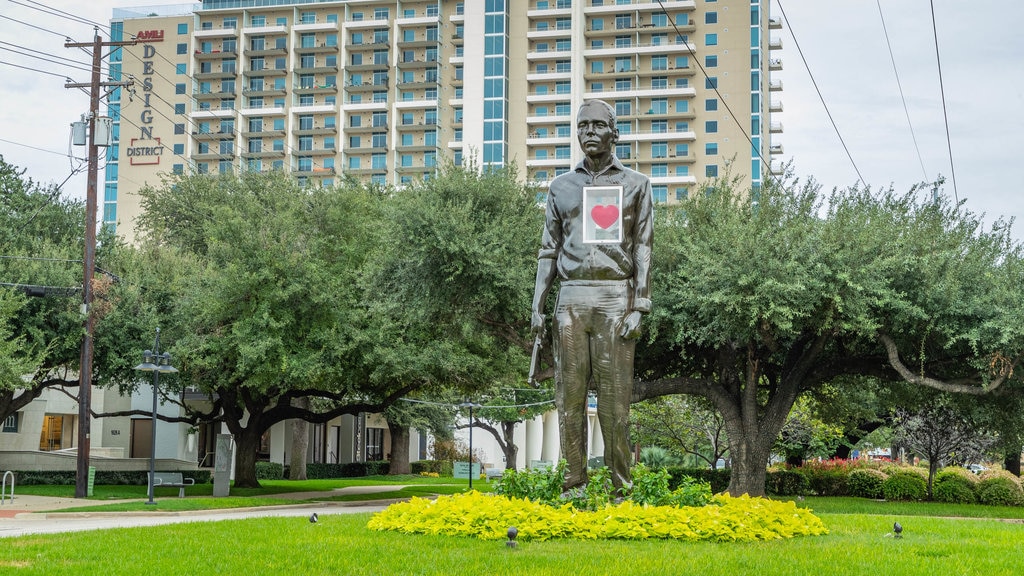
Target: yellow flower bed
x=489 y=516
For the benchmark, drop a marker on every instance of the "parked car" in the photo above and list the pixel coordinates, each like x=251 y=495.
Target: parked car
x=976 y=468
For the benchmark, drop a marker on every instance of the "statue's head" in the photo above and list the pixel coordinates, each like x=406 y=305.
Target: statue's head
x=595 y=128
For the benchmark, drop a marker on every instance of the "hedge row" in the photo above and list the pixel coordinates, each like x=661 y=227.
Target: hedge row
x=895 y=482
x=103 y=477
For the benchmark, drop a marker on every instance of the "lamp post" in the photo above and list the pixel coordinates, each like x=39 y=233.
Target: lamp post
x=470 y=406
x=155 y=362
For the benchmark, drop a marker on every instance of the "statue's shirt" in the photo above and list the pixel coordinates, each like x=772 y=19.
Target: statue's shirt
x=564 y=229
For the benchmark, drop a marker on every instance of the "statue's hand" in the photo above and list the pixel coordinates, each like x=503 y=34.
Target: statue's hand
x=631 y=325
x=537 y=325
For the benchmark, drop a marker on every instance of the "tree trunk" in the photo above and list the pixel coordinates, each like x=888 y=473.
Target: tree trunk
x=1011 y=460
x=509 y=448
x=247 y=445
x=300 y=443
x=399 y=460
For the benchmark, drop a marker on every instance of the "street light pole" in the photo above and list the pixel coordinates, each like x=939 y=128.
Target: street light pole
x=162 y=364
x=470 y=405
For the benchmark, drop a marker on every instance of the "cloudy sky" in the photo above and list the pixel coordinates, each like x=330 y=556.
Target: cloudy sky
x=842 y=41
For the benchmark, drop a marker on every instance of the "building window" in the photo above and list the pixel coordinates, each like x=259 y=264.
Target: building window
x=11 y=423
x=711 y=18
x=179 y=108
x=179 y=128
x=659 y=193
x=182 y=48
x=711 y=104
x=711 y=39
x=179 y=148
x=711 y=171
x=711 y=82
x=711 y=126
x=711 y=149
x=179 y=88
x=182 y=28
x=711 y=61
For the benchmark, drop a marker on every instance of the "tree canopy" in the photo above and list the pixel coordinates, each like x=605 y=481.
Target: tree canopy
x=762 y=297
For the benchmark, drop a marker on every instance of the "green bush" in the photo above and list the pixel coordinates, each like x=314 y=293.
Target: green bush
x=269 y=471
x=954 y=488
x=103 y=477
x=786 y=482
x=904 y=485
x=829 y=482
x=999 y=491
x=866 y=483
x=718 y=479
x=439 y=467
x=539 y=485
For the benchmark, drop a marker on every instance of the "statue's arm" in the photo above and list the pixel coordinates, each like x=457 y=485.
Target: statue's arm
x=545 y=278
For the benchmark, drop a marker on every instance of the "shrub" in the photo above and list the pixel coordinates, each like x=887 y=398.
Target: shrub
x=831 y=477
x=904 y=484
x=998 y=490
x=537 y=485
x=742 y=519
x=786 y=482
x=954 y=488
x=999 y=474
x=656 y=457
x=652 y=488
x=439 y=467
x=269 y=471
x=718 y=479
x=866 y=483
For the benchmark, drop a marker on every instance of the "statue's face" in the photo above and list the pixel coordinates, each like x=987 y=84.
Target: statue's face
x=594 y=131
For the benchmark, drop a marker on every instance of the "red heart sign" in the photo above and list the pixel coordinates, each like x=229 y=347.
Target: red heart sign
x=605 y=216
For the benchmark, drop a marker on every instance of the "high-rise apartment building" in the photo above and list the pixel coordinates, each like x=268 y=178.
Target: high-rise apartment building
x=385 y=89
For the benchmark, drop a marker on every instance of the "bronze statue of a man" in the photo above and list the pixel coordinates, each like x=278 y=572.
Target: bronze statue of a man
x=597 y=242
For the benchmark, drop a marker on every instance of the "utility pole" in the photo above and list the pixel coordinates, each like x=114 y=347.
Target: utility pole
x=85 y=372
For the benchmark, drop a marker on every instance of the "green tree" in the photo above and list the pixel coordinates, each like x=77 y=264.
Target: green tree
x=41 y=328
x=683 y=425
x=762 y=297
x=445 y=292
x=266 y=312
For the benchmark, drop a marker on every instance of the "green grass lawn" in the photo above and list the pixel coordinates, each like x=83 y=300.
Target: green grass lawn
x=858 y=544
x=199 y=497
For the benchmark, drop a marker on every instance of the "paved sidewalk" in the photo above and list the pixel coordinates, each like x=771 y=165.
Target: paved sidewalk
x=27 y=514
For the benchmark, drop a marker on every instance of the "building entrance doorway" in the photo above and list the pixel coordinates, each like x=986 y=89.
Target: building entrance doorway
x=52 y=436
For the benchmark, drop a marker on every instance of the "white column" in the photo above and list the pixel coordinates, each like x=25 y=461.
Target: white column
x=596 y=440
x=552 y=450
x=519 y=437
x=534 y=439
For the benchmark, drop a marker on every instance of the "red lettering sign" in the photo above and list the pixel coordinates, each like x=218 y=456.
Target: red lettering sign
x=150 y=36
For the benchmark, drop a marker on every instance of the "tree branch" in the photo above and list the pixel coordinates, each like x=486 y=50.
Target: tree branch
x=922 y=380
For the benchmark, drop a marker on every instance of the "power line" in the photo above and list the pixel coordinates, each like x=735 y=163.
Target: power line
x=945 y=115
x=725 y=103
x=900 y=86
x=820 y=97
x=59 y=13
x=79 y=63
x=64 y=76
x=34 y=147
x=65 y=36
x=83 y=68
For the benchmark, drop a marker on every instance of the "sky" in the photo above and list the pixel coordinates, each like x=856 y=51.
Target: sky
x=847 y=58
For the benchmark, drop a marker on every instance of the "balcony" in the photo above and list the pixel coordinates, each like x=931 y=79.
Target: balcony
x=265 y=52
x=319 y=49
x=215 y=54
x=775 y=85
x=262 y=154
x=775 y=44
x=231 y=32
x=211 y=156
x=316 y=89
x=775 y=127
x=322 y=69
x=218 y=75
x=315 y=152
x=264 y=72
x=775 y=149
x=775 y=64
x=264 y=134
x=318 y=131
x=248 y=92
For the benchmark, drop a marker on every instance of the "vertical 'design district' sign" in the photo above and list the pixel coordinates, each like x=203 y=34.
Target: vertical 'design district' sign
x=146 y=149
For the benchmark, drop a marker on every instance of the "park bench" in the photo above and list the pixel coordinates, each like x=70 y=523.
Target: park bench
x=172 y=480
x=493 y=473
